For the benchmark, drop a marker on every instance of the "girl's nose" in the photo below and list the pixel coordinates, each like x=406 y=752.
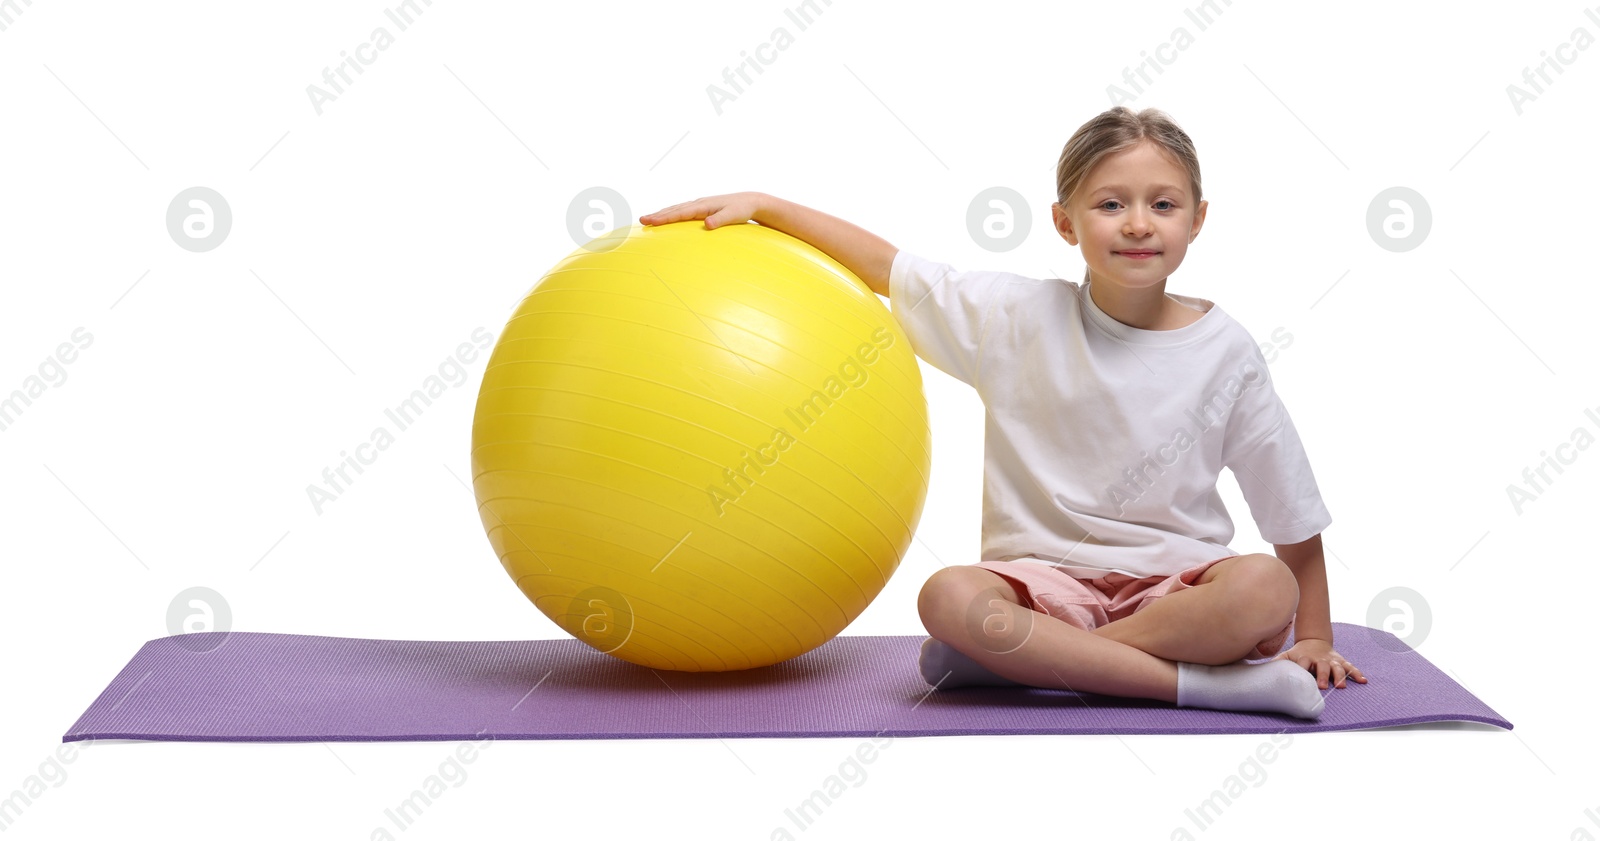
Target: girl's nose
x=1137 y=224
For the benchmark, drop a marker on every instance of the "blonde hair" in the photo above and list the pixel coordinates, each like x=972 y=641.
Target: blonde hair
x=1113 y=131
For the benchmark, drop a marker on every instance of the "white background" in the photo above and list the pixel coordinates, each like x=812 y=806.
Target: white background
x=372 y=239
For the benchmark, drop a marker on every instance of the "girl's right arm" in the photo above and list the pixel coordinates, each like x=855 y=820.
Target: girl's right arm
x=863 y=253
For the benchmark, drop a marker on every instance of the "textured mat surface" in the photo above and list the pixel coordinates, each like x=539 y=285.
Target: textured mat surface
x=264 y=687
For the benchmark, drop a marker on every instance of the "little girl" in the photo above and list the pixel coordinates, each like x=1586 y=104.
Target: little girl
x=1111 y=409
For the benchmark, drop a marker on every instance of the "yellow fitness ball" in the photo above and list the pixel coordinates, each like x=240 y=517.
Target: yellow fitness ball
x=701 y=450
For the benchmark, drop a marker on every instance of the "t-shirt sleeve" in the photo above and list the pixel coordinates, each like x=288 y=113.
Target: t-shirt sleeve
x=1275 y=477
x=943 y=311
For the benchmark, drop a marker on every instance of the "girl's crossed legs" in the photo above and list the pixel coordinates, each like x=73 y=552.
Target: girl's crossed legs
x=1126 y=636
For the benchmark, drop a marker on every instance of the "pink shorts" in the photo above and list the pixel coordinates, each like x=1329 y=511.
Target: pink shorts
x=1088 y=603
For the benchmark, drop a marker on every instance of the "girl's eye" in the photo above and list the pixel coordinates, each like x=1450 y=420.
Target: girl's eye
x=1164 y=204
x=1104 y=204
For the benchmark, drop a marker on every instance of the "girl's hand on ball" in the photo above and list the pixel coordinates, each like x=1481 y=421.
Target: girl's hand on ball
x=730 y=209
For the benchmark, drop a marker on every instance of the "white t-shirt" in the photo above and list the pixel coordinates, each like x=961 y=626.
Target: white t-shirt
x=1103 y=442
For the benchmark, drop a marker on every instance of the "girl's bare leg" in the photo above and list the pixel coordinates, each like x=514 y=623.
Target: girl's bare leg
x=980 y=614
x=1236 y=604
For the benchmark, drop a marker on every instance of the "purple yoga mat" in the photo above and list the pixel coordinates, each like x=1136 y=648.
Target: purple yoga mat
x=262 y=687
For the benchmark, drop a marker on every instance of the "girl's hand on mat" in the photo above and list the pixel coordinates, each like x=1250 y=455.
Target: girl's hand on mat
x=1318 y=657
x=729 y=209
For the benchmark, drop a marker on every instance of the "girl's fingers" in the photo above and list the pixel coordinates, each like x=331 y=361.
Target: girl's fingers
x=1349 y=668
x=1349 y=671
x=686 y=210
x=668 y=209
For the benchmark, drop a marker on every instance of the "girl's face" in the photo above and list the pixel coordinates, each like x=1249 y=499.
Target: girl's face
x=1134 y=217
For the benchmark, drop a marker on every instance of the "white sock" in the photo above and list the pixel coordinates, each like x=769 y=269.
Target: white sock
x=1280 y=686
x=945 y=667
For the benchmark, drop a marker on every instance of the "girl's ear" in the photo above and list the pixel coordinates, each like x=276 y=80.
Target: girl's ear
x=1199 y=219
x=1064 y=223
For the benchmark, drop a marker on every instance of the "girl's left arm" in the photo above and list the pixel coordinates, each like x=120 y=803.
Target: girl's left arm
x=1304 y=559
x=1313 y=628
